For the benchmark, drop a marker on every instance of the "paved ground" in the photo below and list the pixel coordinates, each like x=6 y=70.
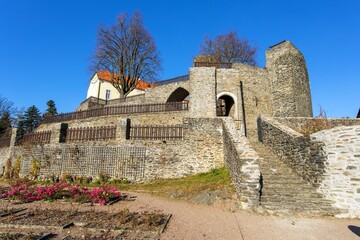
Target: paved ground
x=191 y=221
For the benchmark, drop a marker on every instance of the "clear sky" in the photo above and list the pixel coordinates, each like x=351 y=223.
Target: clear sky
x=45 y=45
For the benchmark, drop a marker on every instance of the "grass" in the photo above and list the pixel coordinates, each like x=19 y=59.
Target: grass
x=186 y=187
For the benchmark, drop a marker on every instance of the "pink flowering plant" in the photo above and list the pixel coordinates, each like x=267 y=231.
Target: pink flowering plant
x=27 y=191
x=104 y=194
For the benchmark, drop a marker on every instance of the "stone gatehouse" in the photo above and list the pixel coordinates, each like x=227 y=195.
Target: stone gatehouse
x=281 y=89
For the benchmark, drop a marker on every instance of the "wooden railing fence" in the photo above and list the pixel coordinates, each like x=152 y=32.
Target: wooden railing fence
x=156 y=132
x=117 y=110
x=82 y=134
x=37 y=137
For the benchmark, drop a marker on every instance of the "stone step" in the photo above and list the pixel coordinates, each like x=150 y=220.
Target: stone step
x=288 y=195
x=289 y=192
x=297 y=207
x=308 y=198
x=283 y=179
x=277 y=171
x=300 y=212
x=286 y=180
x=283 y=191
x=287 y=184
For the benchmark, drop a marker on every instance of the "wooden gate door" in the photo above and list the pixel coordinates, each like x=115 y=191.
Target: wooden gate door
x=220 y=107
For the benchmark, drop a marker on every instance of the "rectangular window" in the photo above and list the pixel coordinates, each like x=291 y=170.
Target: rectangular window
x=107 y=95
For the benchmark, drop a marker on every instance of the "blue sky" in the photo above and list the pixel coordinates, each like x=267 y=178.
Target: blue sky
x=45 y=45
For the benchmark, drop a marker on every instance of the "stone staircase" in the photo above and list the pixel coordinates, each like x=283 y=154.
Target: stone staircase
x=285 y=193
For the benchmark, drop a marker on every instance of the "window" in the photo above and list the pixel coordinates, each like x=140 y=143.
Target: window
x=107 y=95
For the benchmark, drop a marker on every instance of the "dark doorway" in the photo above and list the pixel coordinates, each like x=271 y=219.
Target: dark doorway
x=178 y=95
x=225 y=106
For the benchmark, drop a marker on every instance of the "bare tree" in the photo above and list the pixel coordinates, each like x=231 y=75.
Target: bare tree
x=128 y=52
x=6 y=106
x=229 y=48
x=7 y=110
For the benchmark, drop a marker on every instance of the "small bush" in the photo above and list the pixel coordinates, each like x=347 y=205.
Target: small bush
x=35 y=168
x=103 y=178
x=17 y=167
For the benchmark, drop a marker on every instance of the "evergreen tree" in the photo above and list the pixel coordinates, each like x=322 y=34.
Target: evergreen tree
x=51 y=110
x=32 y=119
x=5 y=123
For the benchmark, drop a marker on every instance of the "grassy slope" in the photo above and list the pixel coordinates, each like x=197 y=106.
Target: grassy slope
x=186 y=187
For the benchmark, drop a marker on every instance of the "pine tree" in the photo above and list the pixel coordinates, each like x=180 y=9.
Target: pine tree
x=5 y=123
x=51 y=110
x=32 y=119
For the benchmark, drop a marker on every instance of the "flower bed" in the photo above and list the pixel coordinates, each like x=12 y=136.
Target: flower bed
x=27 y=191
x=76 y=224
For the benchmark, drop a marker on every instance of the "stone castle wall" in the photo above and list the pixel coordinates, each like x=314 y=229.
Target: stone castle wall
x=200 y=150
x=243 y=164
x=341 y=178
x=296 y=150
x=290 y=82
x=302 y=124
x=257 y=95
x=279 y=90
x=160 y=94
x=328 y=159
x=203 y=92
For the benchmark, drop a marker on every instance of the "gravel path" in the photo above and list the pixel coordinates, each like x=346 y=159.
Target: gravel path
x=192 y=221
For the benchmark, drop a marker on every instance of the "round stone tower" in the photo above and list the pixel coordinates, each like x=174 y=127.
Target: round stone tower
x=289 y=79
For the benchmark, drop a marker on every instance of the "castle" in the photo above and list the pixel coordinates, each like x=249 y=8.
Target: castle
x=156 y=134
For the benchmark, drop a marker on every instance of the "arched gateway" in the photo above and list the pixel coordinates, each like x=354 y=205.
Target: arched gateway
x=226 y=105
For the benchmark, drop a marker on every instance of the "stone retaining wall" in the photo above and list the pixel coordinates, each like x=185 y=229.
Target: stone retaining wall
x=341 y=178
x=296 y=150
x=328 y=159
x=242 y=161
x=200 y=150
x=311 y=125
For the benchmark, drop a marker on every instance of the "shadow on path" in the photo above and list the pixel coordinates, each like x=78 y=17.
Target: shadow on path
x=355 y=229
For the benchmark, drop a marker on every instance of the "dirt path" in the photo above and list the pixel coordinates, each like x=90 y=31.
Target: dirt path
x=191 y=221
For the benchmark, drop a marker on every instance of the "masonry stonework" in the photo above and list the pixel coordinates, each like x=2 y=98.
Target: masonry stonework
x=161 y=93
x=243 y=164
x=328 y=159
x=297 y=151
x=200 y=150
x=203 y=90
x=341 y=178
x=290 y=82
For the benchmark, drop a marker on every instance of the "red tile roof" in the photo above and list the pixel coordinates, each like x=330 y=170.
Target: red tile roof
x=142 y=85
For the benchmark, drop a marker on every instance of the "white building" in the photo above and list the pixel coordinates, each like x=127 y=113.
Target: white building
x=101 y=87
